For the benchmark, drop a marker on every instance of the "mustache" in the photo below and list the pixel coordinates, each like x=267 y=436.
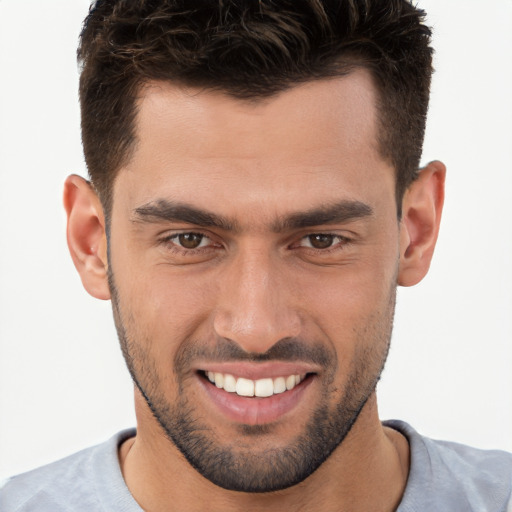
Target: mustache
x=226 y=350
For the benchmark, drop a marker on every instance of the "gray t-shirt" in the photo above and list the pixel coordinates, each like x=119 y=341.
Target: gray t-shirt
x=444 y=477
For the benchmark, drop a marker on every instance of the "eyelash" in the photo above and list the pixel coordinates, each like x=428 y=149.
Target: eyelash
x=175 y=247
x=340 y=243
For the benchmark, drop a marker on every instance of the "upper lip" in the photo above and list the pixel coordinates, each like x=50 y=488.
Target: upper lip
x=265 y=370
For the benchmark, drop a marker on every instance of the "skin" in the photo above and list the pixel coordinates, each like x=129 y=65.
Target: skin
x=256 y=280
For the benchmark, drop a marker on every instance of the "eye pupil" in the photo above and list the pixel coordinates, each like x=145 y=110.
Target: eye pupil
x=321 y=241
x=190 y=240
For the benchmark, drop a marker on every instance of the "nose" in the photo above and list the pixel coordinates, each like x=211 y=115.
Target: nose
x=255 y=306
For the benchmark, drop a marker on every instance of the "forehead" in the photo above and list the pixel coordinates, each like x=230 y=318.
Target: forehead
x=200 y=120
x=316 y=139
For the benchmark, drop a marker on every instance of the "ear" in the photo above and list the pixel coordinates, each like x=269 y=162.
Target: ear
x=86 y=235
x=421 y=214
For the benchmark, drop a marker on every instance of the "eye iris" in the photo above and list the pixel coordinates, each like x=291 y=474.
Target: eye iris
x=190 y=240
x=321 y=241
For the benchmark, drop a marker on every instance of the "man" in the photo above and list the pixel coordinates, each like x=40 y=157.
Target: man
x=255 y=200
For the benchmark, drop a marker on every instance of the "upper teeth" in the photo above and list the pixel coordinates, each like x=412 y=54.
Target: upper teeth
x=248 y=387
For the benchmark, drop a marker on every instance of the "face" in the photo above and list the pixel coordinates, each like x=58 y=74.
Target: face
x=253 y=260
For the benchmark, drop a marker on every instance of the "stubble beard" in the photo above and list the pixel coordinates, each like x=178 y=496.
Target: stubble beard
x=237 y=467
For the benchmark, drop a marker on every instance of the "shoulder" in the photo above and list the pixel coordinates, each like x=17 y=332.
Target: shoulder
x=452 y=476
x=74 y=483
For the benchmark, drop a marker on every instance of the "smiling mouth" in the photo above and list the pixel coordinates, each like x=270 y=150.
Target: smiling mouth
x=261 y=388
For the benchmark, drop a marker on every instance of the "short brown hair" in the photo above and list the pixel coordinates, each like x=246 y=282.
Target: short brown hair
x=250 y=49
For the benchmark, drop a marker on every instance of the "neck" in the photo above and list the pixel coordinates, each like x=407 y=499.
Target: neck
x=367 y=471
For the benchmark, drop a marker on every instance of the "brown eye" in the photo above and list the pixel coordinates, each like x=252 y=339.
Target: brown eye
x=321 y=241
x=190 y=240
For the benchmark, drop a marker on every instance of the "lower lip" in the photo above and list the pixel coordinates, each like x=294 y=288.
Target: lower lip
x=255 y=410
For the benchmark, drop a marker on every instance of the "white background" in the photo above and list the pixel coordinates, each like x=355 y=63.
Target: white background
x=63 y=385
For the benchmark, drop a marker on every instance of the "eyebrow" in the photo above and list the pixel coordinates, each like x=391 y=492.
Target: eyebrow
x=164 y=210
x=337 y=213
x=171 y=211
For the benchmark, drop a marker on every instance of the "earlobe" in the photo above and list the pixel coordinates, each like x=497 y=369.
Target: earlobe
x=86 y=235
x=422 y=206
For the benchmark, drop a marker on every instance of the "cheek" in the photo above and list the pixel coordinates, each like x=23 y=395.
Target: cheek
x=165 y=307
x=344 y=296
x=352 y=307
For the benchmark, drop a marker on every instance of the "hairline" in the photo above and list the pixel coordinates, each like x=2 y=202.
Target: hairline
x=345 y=71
